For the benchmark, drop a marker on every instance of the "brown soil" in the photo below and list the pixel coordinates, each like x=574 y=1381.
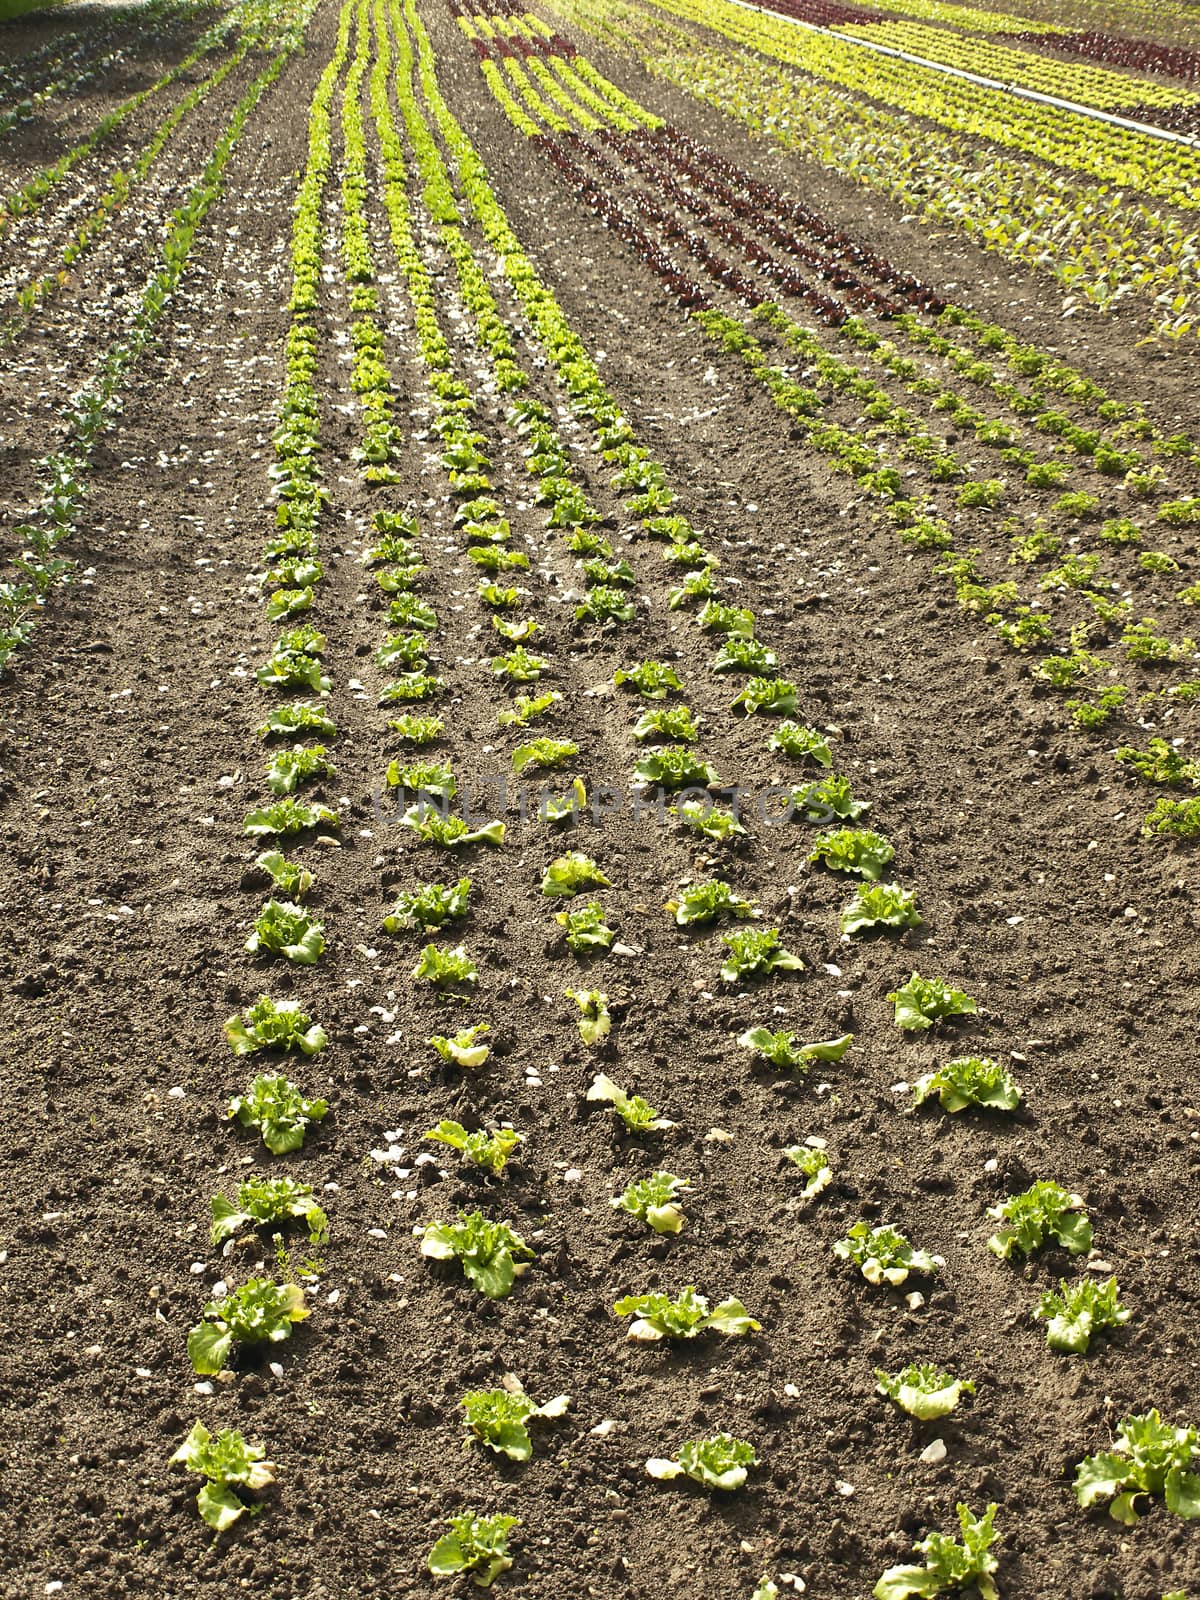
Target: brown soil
x=128 y=761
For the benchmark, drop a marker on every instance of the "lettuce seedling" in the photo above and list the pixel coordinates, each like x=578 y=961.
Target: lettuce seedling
x=293 y=669
x=1160 y=762
x=516 y=632
x=652 y=1201
x=276 y=1107
x=721 y=1462
x=653 y=680
x=260 y=1311
x=883 y=1254
x=705 y=902
x=595 y=1023
x=828 y=798
x=923 y=1391
x=274 y=1025
x=1045 y=1211
x=790 y=739
x=288 y=769
x=289 y=603
x=774 y=695
x=288 y=878
x=586 y=929
x=1149 y=1457
x=452 y=833
x=492 y=1256
x=717 y=617
x=544 y=754
x=696 y=585
x=565 y=807
x=283 y=928
x=567 y=875
x=228 y=1464
x=637 y=1114
x=498 y=1418
x=491 y=594
x=526 y=707
x=814 y=1164
x=662 y=724
x=948 y=1564
x=745 y=655
x=923 y=1001
x=969 y=1081
x=1078 y=1311
x=756 y=953
x=410 y=611
x=417 y=730
x=432 y=781
x=464 y=1048
x=407 y=650
x=430 y=906
x=714 y=823
x=410 y=686
x=1177 y=818
x=606 y=604
x=782 y=1048
x=441 y=967
x=881 y=905
x=298 y=717
x=475 y=1545
x=261 y=1200
x=853 y=850
x=479 y=1149
x=520 y=666
x=675 y=767
x=686 y=1317
x=287 y=817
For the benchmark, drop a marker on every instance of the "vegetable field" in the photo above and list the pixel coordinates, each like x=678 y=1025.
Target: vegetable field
x=600 y=791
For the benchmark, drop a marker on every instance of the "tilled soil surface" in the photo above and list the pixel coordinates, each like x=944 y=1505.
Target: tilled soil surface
x=129 y=759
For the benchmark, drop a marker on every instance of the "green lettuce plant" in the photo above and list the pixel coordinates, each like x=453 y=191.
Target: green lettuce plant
x=782 y=1048
x=652 y=1201
x=478 y=1149
x=637 y=1114
x=705 y=902
x=923 y=1390
x=881 y=905
x=1046 y=1211
x=814 y=1164
x=499 y=1418
x=949 y=1564
x=653 y=680
x=922 y=1001
x=229 y=1466
x=1149 y=1457
x=276 y=1107
x=884 y=1255
x=1077 y=1311
x=853 y=850
x=259 y=1312
x=586 y=930
x=442 y=967
x=969 y=1081
x=595 y=1023
x=567 y=875
x=274 y=1025
x=658 y=1317
x=463 y=1048
x=721 y=1462
x=263 y=1200
x=491 y=1255
x=431 y=905
x=288 y=816
x=475 y=1545
x=283 y=928
x=756 y=953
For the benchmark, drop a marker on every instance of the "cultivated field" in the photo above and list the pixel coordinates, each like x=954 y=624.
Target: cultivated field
x=599 y=782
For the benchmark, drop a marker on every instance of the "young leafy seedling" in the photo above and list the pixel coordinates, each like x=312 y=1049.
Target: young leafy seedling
x=884 y=1255
x=544 y=754
x=652 y=1201
x=637 y=1114
x=969 y=1081
x=430 y=906
x=479 y=1149
x=756 y=953
x=228 y=1465
x=923 y=1001
x=1078 y=1311
x=595 y=1022
x=569 y=874
x=586 y=929
x=288 y=769
x=463 y=1048
x=417 y=730
x=801 y=743
x=286 y=929
x=1149 y=1457
x=431 y=781
x=665 y=725
x=475 y=1545
x=274 y=1025
x=705 y=902
x=263 y=1200
x=653 y=680
x=288 y=816
x=948 y=1564
x=1045 y=1211
x=498 y=1418
x=657 y=1316
x=853 y=850
x=881 y=905
x=721 y=1462
x=782 y=1048
x=812 y=1161
x=776 y=696
x=923 y=1390
x=675 y=767
x=525 y=708
x=452 y=833
x=492 y=1256
x=443 y=967
x=260 y=1311
x=279 y=1110
x=827 y=799
x=701 y=816
x=288 y=878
